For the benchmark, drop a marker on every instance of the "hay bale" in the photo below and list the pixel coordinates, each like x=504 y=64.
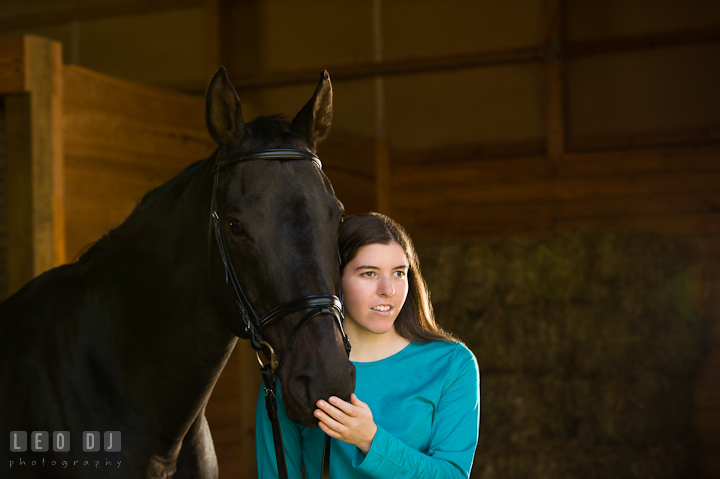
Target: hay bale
x=565 y=302
x=521 y=410
x=635 y=408
x=630 y=409
x=588 y=344
x=551 y=459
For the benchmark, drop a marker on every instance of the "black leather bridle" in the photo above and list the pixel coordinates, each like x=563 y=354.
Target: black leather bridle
x=253 y=326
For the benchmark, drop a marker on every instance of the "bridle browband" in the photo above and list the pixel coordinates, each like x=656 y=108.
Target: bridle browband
x=252 y=325
x=278 y=155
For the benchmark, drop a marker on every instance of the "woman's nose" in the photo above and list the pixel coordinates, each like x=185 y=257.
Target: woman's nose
x=386 y=287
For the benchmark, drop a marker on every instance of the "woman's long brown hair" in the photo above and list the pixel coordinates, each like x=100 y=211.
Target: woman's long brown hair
x=416 y=321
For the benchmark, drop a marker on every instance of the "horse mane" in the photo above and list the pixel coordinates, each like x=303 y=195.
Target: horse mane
x=176 y=184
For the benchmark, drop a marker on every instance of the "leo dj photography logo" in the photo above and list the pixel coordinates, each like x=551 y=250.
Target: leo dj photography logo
x=60 y=442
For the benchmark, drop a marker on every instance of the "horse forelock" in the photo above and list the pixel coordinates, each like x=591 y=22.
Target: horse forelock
x=267 y=132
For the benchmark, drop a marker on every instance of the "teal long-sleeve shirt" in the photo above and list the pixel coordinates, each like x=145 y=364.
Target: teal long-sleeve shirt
x=425 y=401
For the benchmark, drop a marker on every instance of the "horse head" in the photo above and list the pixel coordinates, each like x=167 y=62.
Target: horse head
x=276 y=225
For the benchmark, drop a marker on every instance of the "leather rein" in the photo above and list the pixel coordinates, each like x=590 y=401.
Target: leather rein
x=253 y=325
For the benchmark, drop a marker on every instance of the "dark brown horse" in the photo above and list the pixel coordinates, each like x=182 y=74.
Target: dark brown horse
x=132 y=337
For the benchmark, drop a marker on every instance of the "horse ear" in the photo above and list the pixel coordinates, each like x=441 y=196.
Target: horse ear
x=314 y=119
x=222 y=111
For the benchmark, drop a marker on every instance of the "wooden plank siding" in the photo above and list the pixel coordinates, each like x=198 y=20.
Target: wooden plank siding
x=673 y=191
x=348 y=161
x=121 y=140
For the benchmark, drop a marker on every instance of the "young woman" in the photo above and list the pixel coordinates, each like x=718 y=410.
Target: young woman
x=416 y=408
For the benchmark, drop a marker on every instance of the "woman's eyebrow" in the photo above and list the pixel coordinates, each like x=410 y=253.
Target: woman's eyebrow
x=402 y=266
x=366 y=267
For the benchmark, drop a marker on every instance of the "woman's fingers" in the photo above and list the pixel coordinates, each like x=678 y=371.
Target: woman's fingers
x=332 y=411
x=338 y=409
x=350 y=422
x=345 y=407
x=328 y=420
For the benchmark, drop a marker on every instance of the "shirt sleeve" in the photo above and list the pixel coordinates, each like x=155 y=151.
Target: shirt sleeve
x=454 y=433
x=265 y=446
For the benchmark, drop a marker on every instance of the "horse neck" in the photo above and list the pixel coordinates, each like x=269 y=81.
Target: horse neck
x=170 y=342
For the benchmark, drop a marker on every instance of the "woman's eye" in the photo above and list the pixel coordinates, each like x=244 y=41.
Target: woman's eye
x=235 y=227
x=400 y=274
x=368 y=274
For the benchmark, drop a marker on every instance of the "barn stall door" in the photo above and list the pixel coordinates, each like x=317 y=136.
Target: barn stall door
x=78 y=150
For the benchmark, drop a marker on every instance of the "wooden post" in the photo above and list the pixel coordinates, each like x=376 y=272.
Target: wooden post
x=555 y=78
x=32 y=90
x=382 y=176
x=382 y=147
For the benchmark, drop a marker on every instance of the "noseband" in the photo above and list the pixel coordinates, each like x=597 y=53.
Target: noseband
x=252 y=325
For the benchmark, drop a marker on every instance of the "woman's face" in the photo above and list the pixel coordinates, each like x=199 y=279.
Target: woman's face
x=375 y=286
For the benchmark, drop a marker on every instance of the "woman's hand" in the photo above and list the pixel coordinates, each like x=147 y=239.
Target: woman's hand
x=351 y=422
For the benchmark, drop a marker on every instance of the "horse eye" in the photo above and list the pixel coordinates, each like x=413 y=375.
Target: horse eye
x=235 y=227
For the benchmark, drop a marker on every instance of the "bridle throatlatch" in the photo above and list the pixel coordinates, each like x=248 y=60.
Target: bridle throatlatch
x=253 y=326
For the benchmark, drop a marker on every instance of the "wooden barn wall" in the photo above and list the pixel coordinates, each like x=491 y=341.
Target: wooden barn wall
x=121 y=140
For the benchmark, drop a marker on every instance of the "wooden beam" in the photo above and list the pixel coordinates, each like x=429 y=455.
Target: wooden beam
x=669 y=140
x=397 y=67
x=489 y=59
x=13 y=74
x=629 y=43
x=470 y=228
x=23 y=14
x=648 y=139
x=461 y=154
x=597 y=208
x=34 y=174
x=458 y=166
x=552 y=190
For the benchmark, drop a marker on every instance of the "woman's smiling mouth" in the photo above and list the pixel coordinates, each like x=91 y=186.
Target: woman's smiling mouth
x=382 y=307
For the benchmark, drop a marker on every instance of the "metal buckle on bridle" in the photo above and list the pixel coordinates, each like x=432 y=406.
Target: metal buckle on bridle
x=273 y=357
